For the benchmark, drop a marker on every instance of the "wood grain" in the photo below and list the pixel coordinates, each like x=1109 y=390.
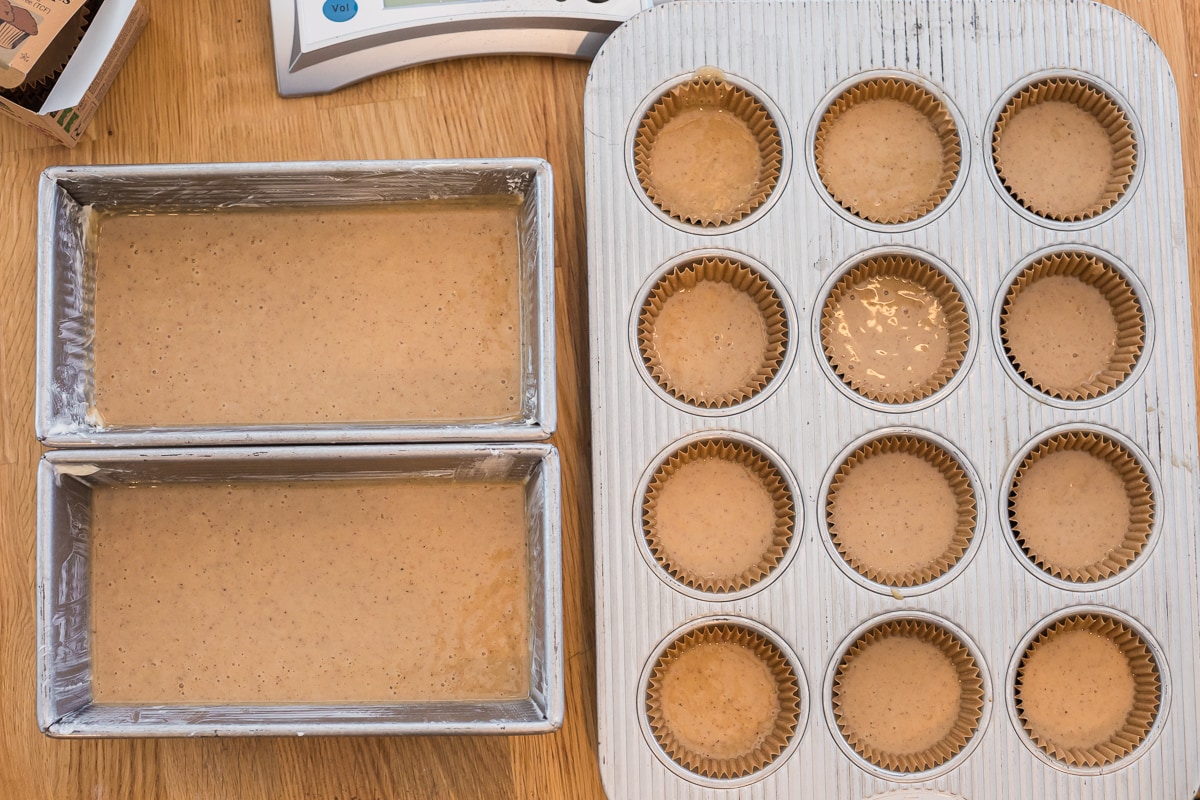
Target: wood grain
x=200 y=86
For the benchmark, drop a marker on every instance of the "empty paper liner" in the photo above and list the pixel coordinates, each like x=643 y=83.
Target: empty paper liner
x=1081 y=507
x=887 y=150
x=1088 y=690
x=718 y=516
x=723 y=701
x=908 y=696
x=712 y=333
x=707 y=152
x=901 y=511
x=895 y=329
x=1072 y=326
x=1064 y=149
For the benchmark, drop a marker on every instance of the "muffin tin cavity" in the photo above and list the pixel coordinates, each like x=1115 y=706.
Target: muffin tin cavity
x=1072 y=326
x=708 y=151
x=901 y=511
x=907 y=696
x=713 y=332
x=1087 y=690
x=723 y=701
x=887 y=150
x=1064 y=148
x=719 y=516
x=1081 y=507
x=894 y=328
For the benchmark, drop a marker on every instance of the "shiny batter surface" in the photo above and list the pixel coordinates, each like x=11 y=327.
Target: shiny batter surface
x=402 y=312
x=322 y=592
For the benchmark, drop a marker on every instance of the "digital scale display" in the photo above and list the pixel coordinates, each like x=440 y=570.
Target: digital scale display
x=323 y=45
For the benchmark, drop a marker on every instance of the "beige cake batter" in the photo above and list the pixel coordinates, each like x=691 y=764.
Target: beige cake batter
x=711 y=340
x=1071 y=509
x=1077 y=689
x=899 y=695
x=888 y=335
x=1061 y=332
x=1056 y=157
x=376 y=313
x=705 y=163
x=715 y=518
x=883 y=159
x=330 y=592
x=720 y=699
x=895 y=513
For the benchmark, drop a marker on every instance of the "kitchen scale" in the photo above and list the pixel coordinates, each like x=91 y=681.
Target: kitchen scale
x=322 y=45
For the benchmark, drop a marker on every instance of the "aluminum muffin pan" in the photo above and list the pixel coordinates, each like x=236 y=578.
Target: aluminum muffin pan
x=796 y=56
x=66 y=284
x=66 y=480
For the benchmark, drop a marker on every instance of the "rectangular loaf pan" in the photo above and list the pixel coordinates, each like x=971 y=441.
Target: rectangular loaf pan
x=66 y=285
x=66 y=480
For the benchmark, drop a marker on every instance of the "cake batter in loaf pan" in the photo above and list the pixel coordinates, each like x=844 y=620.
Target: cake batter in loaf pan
x=296 y=303
x=364 y=590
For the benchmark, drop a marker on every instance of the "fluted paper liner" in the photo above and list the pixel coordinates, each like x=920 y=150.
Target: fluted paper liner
x=970 y=701
x=770 y=748
x=1146 y=701
x=773 y=483
x=742 y=278
x=710 y=91
x=917 y=272
x=956 y=479
x=1137 y=490
x=1107 y=113
x=1127 y=311
x=928 y=105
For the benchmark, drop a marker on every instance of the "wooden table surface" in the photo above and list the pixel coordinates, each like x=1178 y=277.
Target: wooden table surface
x=200 y=86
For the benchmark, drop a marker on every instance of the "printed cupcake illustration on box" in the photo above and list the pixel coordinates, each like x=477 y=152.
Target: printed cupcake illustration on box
x=16 y=25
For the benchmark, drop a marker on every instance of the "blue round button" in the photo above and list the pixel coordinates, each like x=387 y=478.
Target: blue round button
x=340 y=10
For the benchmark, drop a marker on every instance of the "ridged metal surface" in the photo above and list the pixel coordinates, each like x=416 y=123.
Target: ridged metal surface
x=975 y=53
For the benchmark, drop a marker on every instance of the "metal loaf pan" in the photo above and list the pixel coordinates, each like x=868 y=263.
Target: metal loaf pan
x=66 y=480
x=66 y=284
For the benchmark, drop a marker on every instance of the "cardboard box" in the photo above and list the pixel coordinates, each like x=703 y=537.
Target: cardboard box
x=64 y=114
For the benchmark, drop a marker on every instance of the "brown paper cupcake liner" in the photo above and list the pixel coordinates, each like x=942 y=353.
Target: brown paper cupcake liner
x=1137 y=490
x=970 y=702
x=927 y=104
x=956 y=478
x=915 y=271
x=1147 y=692
x=1127 y=311
x=770 y=748
x=772 y=481
x=742 y=278
x=1107 y=113
x=710 y=91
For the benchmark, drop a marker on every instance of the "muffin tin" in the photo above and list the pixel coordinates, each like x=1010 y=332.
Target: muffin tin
x=796 y=59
